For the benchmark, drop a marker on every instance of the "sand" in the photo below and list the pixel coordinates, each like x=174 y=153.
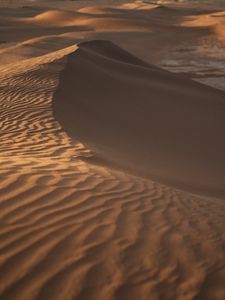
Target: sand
x=112 y=165
x=144 y=118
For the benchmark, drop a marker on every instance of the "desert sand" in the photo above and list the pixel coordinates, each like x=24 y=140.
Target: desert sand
x=112 y=150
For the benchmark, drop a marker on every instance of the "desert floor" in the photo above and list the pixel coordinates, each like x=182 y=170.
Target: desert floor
x=77 y=220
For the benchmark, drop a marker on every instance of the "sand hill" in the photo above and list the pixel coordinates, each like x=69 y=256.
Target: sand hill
x=111 y=165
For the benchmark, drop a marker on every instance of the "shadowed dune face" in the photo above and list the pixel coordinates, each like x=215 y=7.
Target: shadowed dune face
x=142 y=117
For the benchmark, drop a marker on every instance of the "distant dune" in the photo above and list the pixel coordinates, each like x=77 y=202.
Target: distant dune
x=214 y=21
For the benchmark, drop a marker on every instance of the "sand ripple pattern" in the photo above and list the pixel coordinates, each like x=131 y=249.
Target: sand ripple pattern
x=73 y=230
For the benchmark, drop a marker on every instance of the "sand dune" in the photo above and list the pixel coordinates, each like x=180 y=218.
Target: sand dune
x=79 y=226
x=128 y=25
x=67 y=19
x=56 y=18
x=74 y=230
x=214 y=21
x=143 y=117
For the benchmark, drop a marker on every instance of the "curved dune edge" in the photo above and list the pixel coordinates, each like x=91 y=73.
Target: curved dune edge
x=72 y=230
x=143 y=118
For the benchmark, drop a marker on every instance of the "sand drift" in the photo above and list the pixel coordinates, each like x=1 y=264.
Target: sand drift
x=141 y=117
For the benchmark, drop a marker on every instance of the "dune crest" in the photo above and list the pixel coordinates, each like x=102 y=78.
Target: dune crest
x=144 y=118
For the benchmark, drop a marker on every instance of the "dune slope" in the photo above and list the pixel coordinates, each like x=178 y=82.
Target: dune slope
x=144 y=118
x=77 y=231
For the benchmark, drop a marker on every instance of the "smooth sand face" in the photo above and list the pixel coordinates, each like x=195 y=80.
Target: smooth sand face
x=79 y=222
x=144 y=118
